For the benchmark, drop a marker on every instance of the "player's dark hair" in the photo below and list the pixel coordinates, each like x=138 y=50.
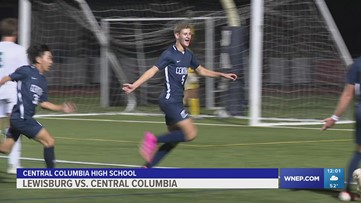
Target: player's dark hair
x=37 y=50
x=181 y=26
x=9 y=27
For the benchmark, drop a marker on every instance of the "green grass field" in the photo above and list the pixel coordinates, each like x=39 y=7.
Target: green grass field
x=220 y=144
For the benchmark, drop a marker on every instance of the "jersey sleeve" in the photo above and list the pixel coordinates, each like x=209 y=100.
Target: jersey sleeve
x=353 y=73
x=19 y=74
x=163 y=60
x=194 y=63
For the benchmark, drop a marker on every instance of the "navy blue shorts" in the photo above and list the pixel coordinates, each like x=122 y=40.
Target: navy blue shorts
x=28 y=127
x=174 y=111
x=358 y=124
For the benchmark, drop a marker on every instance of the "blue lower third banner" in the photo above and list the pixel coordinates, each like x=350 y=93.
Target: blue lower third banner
x=312 y=178
x=85 y=178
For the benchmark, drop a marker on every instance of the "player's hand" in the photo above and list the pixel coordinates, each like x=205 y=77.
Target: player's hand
x=128 y=88
x=69 y=107
x=328 y=123
x=230 y=76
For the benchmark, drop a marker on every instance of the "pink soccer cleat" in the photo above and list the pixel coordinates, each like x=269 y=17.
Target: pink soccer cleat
x=148 y=147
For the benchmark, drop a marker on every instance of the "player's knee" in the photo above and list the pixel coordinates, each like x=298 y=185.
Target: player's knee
x=4 y=150
x=50 y=142
x=191 y=136
x=6 y=146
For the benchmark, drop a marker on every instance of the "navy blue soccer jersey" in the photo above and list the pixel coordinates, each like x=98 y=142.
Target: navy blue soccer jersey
x=32 y=89
x=175 y=65
x=354 y=77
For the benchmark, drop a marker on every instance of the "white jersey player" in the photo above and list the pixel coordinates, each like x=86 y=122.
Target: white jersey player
x=12 y=56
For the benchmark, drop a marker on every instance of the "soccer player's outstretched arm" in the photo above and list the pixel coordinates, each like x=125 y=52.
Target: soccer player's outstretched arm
x=4 y=80
x=65 y=107
x=209 y=73
x=344 y=101
x=128 y=88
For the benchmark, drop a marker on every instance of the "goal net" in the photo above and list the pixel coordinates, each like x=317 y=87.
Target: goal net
x=302 y=74
x=304 y=63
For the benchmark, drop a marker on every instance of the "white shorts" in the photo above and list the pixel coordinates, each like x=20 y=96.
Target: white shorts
x=8 y=98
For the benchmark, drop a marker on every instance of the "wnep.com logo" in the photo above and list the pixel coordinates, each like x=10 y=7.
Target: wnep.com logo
x=305 y=178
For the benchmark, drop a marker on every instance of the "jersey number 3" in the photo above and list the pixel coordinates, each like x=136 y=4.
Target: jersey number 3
x=36 y=99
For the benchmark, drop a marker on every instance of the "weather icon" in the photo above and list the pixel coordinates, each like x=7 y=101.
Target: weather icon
x=334 y=178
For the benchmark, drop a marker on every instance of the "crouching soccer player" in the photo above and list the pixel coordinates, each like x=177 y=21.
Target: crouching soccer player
x=32 y=91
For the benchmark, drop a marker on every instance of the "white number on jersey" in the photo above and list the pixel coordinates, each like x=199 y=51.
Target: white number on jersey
x=183 y=79
x=36 y=99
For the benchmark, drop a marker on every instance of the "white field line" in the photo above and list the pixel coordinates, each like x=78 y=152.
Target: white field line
x=82 y=162
x=200 y=124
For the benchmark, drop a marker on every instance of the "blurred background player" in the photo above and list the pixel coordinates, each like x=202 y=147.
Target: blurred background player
x=175 y=62
x=32 y=91
x=12 y=56
x=191 y=95
x=352 y=87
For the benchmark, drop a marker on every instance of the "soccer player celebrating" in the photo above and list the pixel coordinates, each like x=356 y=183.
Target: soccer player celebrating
x=12 y=56
x=352 y=87
x=32 y=91
x=174 y=61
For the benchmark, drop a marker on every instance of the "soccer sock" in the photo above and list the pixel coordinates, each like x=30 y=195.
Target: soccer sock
x=49 y=156
x=173 y=136
x=194 y=106
x=161 y=153
x=14 y=155
x=356 y=158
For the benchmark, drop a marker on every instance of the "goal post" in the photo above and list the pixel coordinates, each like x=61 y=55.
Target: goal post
x=24 y=22
x=323 y=46
x=341 y=46
x=255 y=63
